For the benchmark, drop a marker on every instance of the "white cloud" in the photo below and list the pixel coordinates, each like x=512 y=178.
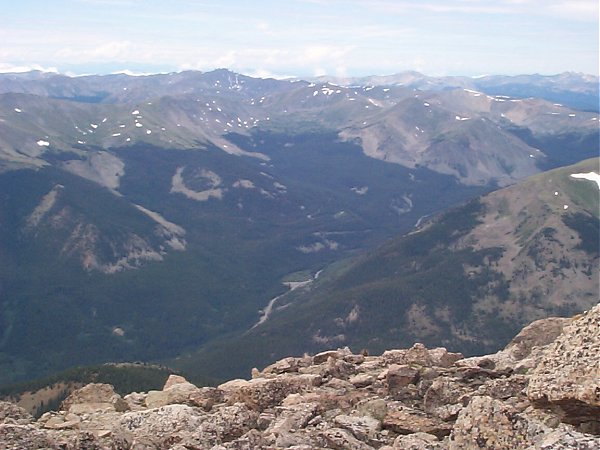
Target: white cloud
x=115 y=50
x=20 y=68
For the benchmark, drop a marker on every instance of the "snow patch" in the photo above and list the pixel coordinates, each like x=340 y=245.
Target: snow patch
x=17 y=110
x=591 y=176
x=43 y=143
x=360 y=190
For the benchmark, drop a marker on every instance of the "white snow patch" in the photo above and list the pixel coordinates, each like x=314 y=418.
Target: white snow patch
x=43 y=143
x=93 y=125
x=104 y=120
x=17 y=110
x=116 y=134
x=565 y=206
x=139 y=125
x=571 y=115
x=360 y=190
x=135 y=112
x=591 y=176
x=148 y=131
x=462 y=118
x=555 y=193
x=426 y=104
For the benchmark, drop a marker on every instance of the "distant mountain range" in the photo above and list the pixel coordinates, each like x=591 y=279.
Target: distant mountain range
x=144 y=217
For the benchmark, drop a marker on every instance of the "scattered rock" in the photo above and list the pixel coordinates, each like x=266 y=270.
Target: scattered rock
x=11 y=413
x=540 y=393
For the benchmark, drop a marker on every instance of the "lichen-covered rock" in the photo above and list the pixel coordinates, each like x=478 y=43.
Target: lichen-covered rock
x=24 y=437
x=364 y=428
x=408 y=421
x=417 y=441
x=226 y=424
x=157 y=427
x=261 y=393
x=568 y=375
x=339 y=439
x=11 y=413
x=567 y=440
x=491 y=424
x=399 y=377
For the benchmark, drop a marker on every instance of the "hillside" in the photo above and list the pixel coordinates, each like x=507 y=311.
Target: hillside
x=468 y=279
x=540 y=392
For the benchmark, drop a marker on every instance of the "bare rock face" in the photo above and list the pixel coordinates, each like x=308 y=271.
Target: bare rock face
x=567 y=379
x=540 y=393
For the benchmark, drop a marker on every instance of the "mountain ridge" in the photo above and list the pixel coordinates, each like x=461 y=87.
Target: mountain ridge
x=467 y=279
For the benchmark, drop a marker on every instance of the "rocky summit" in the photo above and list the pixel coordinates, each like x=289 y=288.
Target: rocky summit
x=541 y=392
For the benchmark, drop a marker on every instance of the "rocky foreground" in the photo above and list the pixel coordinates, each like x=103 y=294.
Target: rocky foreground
x=541 y=392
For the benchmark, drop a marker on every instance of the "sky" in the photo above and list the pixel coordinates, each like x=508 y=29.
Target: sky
x=301 y=37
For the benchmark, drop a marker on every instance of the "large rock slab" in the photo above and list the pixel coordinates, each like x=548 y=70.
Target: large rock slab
x=94 y=397
x=567 y=378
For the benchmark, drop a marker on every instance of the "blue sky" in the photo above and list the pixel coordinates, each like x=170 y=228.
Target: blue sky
x=301 y=37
